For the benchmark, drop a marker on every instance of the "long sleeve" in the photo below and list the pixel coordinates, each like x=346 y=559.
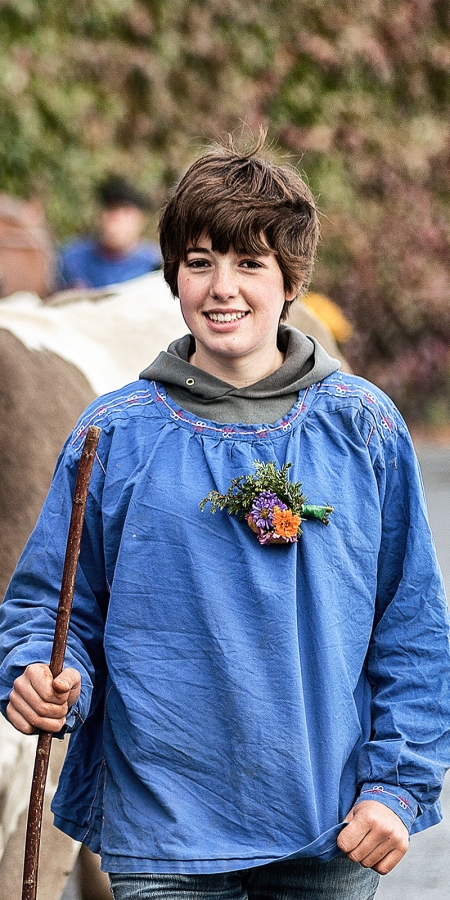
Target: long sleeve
x=408 y=663
x=28 y=612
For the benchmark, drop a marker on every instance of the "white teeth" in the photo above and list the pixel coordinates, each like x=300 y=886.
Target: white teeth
x=225 y=317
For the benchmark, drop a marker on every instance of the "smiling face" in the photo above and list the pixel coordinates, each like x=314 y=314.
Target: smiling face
x=232 y=302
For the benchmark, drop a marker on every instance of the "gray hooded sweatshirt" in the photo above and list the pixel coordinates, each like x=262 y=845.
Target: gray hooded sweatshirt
x=265 y=401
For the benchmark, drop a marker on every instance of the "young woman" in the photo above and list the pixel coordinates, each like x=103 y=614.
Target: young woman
x=258 y=698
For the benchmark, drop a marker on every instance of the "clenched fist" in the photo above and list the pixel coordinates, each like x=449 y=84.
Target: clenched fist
x=39 y=702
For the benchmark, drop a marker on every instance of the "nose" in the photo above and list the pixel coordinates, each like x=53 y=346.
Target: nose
x=224 y=283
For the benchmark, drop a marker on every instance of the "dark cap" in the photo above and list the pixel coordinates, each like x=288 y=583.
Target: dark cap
x=117 y=191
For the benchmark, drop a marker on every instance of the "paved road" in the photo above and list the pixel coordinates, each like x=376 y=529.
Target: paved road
x=424 y=873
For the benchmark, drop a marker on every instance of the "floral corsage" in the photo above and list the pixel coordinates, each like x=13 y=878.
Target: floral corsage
x=272 y=506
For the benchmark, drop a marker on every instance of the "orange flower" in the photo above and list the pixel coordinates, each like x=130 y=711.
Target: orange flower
x=284 y=522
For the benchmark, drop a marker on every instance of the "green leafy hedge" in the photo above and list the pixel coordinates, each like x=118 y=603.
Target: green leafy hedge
x=356 y=93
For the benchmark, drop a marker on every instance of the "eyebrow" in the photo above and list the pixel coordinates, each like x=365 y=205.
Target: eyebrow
x=198 y=250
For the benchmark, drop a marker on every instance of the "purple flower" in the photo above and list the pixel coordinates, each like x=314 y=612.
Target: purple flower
x=262 y=509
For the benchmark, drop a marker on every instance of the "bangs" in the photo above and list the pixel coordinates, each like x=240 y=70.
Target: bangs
x=242 y=236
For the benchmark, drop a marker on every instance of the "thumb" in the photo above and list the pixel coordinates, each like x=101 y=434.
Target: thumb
x=67 y=681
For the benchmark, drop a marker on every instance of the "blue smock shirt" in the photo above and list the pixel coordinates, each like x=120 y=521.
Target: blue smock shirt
x=237 y=699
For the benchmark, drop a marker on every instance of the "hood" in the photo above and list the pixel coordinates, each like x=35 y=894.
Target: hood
x=267 y=400
x=306 y=362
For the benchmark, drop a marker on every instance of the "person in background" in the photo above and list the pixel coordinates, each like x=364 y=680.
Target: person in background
x=116 y=253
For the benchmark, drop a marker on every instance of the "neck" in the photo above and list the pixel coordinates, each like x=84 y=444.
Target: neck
x=238 y=372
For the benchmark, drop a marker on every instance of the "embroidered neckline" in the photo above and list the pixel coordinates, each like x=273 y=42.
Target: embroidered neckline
x=238 y=430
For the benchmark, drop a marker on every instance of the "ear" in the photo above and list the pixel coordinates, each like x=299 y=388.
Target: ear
x=289 y=296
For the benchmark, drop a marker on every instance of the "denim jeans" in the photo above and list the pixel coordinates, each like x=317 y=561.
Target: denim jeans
x=299 y=879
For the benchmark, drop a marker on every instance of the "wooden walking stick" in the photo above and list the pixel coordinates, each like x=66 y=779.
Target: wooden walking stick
x=30 y=869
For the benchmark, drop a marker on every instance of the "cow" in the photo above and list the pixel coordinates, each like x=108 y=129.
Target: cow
x=56 y=357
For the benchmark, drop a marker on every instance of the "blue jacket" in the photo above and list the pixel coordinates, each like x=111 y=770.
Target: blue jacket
x=83 y=264
x=236 y=698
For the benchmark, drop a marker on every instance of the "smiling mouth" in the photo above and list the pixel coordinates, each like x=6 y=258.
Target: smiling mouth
x=225 y=317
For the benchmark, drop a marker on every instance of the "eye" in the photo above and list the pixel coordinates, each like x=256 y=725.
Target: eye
x=197 y=263
x=250 y=264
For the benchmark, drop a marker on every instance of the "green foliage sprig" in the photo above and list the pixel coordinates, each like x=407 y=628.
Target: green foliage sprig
x=239 y=497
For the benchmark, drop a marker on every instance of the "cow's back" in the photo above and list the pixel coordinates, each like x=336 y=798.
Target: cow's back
x=41 y=397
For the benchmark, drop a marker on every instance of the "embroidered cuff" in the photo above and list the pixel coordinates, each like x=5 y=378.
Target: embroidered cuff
x=393 y=796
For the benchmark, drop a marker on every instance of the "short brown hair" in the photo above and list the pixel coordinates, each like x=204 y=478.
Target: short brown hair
x=242 y=200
